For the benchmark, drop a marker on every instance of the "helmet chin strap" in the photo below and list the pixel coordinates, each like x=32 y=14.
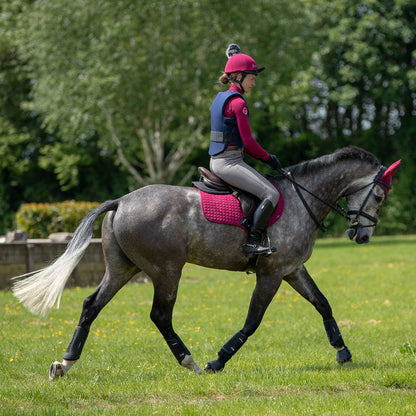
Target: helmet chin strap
x=239 y=82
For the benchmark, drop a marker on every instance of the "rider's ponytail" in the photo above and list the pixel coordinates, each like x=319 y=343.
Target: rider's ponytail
x=224 y=79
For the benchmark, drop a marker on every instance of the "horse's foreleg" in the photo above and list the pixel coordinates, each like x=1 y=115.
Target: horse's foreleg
x=266 y=288
x=303 y=283
x=161 y=314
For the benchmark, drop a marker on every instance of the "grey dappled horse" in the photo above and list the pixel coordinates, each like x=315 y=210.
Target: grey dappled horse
x=158 y=228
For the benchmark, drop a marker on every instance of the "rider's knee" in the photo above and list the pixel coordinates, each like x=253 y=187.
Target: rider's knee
x=273 y=197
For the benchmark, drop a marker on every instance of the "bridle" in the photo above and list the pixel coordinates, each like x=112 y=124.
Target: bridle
x=355 y=223
x=349 y=215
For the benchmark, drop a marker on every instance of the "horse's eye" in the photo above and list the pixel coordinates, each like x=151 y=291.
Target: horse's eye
x=378 y=198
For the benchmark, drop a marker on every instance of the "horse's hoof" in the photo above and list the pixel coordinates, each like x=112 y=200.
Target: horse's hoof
x=189 y=363
x=214 y=366
x=55 y=371
x=344 y=356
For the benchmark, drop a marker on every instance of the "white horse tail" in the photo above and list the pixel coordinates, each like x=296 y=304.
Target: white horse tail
x=39 y=290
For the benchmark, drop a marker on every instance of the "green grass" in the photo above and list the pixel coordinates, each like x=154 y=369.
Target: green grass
x=286 y=368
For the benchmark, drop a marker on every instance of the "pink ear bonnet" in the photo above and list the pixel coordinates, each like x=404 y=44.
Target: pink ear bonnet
x=385 y=180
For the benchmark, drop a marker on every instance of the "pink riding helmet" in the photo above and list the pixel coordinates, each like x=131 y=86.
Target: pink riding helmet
x=240 y=62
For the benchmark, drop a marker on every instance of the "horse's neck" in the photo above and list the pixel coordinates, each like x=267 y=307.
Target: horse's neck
x=330 y=182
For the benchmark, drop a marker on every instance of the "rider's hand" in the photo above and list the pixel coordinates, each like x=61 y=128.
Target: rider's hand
x=274 y=163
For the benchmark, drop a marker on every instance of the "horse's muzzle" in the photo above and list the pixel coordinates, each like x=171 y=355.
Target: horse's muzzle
x=360 y=235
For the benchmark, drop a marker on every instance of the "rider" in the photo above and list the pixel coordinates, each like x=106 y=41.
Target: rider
x=231 y=137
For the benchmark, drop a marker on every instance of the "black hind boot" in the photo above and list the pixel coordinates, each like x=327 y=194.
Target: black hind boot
x=254 y=245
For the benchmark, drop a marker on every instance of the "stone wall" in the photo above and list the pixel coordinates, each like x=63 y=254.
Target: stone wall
x=19 y=257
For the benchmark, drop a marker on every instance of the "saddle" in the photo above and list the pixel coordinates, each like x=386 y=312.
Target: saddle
x=212 y=184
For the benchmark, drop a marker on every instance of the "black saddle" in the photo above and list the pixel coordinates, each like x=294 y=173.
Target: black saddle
x=212 y=184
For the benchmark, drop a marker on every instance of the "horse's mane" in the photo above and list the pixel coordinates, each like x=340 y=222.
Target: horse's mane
x=346 y=153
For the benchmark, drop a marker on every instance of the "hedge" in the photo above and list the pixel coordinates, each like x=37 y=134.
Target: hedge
x=40 y=220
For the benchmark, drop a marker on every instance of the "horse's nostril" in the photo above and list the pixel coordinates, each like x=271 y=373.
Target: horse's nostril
x=351 y=233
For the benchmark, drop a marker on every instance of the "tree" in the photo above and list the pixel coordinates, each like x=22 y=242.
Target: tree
x=137 y=75
x=25 y=146
x=363 y=75
x=17 y=127
x=106 y=70
x=88 y=83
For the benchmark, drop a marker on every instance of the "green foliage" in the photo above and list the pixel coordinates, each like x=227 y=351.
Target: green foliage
x=7 y=219
x=404 y=197
x=363 y=73
x=36 y=165
x=40 y=220
x=286 y=368
x=142 y=89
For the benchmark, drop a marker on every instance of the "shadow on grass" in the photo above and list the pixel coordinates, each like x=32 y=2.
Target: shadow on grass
x=375 y=241
x=361 y=365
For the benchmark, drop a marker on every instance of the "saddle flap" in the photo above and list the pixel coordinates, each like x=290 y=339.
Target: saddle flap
x=248 y=202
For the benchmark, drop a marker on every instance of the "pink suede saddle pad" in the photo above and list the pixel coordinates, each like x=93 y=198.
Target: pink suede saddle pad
x=226 y=209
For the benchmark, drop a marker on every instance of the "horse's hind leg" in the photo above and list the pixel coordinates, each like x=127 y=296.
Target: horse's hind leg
x=303 y=283
x=119 y=270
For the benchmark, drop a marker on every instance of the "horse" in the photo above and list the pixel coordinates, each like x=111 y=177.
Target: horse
x=158 y=228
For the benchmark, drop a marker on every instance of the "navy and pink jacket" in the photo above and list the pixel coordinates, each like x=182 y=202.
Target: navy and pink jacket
x=230 y=125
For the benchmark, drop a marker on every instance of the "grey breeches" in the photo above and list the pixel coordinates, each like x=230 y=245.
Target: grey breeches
x=231 y=168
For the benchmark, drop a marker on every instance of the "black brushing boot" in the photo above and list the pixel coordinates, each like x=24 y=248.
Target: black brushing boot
x=254 y=245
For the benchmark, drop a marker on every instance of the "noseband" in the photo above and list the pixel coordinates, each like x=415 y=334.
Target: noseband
x=338 y=208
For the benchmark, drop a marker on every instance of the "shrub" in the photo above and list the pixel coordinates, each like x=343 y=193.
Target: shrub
x=41 y=219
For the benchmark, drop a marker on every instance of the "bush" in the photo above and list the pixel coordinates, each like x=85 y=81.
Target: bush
x=40 y=220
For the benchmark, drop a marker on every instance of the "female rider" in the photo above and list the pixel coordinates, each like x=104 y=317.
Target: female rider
x=231 y=137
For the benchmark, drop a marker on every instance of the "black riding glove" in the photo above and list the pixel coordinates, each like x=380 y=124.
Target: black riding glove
x=274 y=163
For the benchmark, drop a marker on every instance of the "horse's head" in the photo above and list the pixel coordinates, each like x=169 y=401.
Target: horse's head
x=365 y=202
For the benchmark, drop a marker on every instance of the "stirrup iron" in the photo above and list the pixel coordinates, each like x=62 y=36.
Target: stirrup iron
x=269 y=245
x=263 y=248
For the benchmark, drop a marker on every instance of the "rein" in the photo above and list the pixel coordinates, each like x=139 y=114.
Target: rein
x=338 y=208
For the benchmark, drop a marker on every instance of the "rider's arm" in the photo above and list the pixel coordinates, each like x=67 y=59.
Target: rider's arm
x=238 y=108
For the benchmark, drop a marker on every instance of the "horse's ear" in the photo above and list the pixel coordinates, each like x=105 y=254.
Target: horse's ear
x=387 y=175
x=390 y=172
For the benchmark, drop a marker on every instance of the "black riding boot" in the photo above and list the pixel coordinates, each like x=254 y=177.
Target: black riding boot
x=254 y=245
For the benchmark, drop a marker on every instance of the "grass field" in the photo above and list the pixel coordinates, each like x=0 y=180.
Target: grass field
x=286 y=368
